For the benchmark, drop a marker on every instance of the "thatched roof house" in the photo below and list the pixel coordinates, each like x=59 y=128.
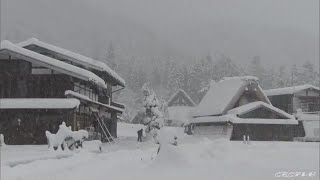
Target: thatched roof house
x=238 y=106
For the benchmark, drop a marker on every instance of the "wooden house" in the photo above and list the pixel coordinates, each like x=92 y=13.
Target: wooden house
x=42 y=85
x=180 y=106
x=303 y=100
x=237 y=106
x=289 y=99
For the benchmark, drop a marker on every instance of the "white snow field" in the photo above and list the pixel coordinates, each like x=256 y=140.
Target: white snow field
x=195 y=157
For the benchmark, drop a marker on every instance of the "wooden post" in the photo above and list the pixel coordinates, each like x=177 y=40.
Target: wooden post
x=74 y=124
x=114 y=124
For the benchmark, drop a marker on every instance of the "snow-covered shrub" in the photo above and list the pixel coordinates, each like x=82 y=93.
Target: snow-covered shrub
x=2 y=140
x=154 y=116
x=55 y=141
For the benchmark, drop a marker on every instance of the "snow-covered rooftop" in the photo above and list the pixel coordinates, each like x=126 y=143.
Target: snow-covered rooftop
x=184 y=94
x=210 y=119
x=39 y=103
x=301 y=116
x=245 y=78
x=75 y=57
x=51 y=63
x=223 y=95
x=289 y=90
x=236 y=120
x=180 y=113
x=254 y=105
x=86 y=98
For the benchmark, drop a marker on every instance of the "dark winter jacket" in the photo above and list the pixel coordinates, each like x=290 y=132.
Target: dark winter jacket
x=139 y=132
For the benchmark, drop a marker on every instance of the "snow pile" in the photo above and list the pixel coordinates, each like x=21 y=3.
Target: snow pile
x=64 y=132
x=170 y=153
x=93 y=146
x=216 y=149
x=2 y=140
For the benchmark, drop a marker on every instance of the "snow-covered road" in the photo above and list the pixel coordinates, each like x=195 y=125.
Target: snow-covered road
x=194 y=158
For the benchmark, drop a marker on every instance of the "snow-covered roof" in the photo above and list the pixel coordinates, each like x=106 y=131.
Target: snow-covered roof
x=301 y=116
x=181 y=91
x=236 y=120
x=289 y=90
x=210 y=119
x=86 y=98
x=75 y=57
x=39 y=103
x=222 y=96
x=180 y=113
x=51 y=63
x=245 y=78
x=255 y=105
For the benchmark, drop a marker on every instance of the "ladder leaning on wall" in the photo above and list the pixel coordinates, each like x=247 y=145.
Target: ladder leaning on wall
x=105 y=130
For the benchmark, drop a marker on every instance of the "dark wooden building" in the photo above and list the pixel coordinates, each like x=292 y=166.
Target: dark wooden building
x=51 y=85
x=289 y=99
x=237 y=106
x=303 y=100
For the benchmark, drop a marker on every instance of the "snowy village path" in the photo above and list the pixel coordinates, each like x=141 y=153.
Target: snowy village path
x=194 y=158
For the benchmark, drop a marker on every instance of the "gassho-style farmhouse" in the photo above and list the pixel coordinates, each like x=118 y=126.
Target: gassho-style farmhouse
x=42 y=85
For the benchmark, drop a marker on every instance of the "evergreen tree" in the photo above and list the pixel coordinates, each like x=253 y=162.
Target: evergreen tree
x=111 y=57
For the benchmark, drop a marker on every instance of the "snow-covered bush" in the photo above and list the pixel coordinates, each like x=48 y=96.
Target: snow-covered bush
x=2 y=140
x=154 y=116
x=55 y=141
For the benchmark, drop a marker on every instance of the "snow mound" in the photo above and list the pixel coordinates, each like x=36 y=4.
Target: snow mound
x=2 y=140
x=169 y=156
x=58 y=140
x=166 y=135
x=92 y=146
x=217 y=149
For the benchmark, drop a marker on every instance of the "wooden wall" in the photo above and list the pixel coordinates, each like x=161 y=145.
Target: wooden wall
x=33 y=124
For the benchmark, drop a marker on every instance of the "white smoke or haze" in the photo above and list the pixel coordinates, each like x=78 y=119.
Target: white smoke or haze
x=280 y=32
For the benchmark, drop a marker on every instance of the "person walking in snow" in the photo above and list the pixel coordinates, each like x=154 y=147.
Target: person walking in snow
x=140 y=135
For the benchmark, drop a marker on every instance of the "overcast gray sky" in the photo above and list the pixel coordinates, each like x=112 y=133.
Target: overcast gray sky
x=280 y=31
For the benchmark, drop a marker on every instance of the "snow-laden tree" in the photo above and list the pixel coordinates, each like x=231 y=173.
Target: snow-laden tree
x=154 y=119
x=111 y=57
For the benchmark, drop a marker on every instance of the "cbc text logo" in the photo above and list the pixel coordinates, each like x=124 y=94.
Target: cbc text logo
x=294 y=174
